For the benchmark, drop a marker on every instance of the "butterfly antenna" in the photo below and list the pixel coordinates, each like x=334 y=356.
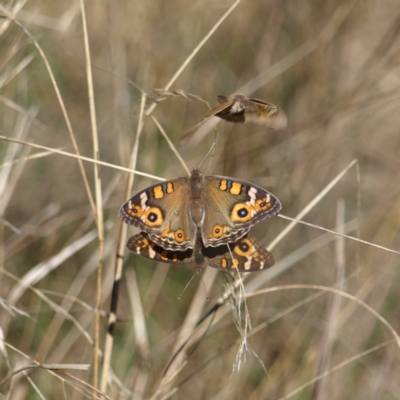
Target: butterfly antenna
x=205 y=288
x=208 y=153
x=214 y=145
x=190 y=280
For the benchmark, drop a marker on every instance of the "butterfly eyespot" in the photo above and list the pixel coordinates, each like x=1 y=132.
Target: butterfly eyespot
x=218 y=231
x=241 y=212
x=244 y=248
x=179 y=235
x=263 y=204
x=135 y=211
x=154 y=217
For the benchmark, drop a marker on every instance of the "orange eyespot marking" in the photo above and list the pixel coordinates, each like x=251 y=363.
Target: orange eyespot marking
x=170 y=188
x=179 y=235
x=262 y=204
x=235 y=263
x=164 y=255
x=223 y=185
x=244 y=248
x=241 y=212
x=166 y=230
x=224 y=263
x=153 y=217
x=217 y=231
x=158 y=192
x=236 y=188
x=134 y=210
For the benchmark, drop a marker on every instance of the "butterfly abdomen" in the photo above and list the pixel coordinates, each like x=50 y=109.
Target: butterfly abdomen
x=196 y=184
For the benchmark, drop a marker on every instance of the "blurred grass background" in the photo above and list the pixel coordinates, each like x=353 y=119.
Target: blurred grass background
x=332 y=66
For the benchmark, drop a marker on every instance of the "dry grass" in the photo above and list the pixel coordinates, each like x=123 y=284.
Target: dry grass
x=324 y=317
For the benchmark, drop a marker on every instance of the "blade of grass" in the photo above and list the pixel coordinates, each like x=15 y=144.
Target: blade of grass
x=331 y=326
x=171 y=145
x=91 y=160
x=340 y=234
x=141 y=336
x=108 y=346
x=98 y=193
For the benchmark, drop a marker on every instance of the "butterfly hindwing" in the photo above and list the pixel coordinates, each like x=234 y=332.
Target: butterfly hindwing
x=143 y=246
x=245 y=255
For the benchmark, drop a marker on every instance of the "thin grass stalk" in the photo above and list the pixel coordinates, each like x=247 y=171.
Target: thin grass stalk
x=342 y=235
x=21 y=110
x=330 y=332
x=98 y=194
x=59 y=98
x=26 y=158
x=170 y=144
x=91 y=160
x=36 y=389
x=119 y=259
x=141 y=335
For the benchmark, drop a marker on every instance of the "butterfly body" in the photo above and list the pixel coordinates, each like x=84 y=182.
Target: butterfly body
x=218 y=209
x=244 y=255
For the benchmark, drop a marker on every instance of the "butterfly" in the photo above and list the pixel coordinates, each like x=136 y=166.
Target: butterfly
x=223 y=209
x=244 y=255
x=240 y=109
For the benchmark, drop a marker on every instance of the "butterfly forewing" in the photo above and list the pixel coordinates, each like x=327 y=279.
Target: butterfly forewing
x=232 y=206
x=162 y=210
x=217 y=209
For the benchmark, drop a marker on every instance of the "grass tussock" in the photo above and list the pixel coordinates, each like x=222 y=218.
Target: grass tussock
x=323 y=322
